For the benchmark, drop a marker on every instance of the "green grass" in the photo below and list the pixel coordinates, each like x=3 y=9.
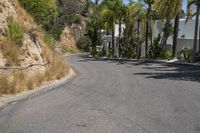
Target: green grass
x=15 y=32
x=48 y=40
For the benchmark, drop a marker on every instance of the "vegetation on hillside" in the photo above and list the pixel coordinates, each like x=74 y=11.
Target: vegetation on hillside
x=21 y=34
x=54 y=15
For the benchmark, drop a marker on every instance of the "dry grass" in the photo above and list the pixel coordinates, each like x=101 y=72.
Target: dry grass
x=19 y=81
x=57 y=67
x=10 y=51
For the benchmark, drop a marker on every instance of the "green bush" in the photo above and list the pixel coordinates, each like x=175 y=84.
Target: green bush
x=168 y=55
x=77 y=19
x=84 y=43
x=15 y=32
x=156 y=51
x=48 y=40
x=128 y=51
x=185 y=54
x=43 y=11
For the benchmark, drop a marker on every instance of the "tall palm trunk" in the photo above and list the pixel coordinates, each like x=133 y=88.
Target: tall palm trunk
x=119 y=39
x=195 y=35
x=150 y=26
x=96 y=2
x=176 y=30
x=113 y=41
x=166 y=35
x=147 y=36
x=138 y=40
x=148 y=29
x=199 y=30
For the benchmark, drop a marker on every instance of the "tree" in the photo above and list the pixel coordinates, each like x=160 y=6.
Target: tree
x=135 y=21
x=110 y=13
x=121 y=17
x=94 y=25
x=167 y=10
x=148 y=25
x=197 y=3
x=43 y=11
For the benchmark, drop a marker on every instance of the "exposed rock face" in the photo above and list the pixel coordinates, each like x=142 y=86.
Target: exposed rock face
x=31 y=50
x=6 y=10
x=71 y=34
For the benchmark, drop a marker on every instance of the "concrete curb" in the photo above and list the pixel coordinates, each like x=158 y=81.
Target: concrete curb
x=30 y=94
x=146 y=60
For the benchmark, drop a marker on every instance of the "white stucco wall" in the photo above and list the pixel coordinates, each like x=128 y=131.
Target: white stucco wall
x=186 y=29
x=117 y=29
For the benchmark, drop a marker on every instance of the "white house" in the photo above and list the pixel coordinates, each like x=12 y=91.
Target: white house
x=107 y=39
x=185 y=36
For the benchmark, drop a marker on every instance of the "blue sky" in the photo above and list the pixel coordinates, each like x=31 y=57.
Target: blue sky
x=184 y=3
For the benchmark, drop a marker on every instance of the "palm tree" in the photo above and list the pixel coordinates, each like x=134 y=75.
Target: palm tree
x=135 y=15
x=111 y=13
x=94 y=25
x=176 y=26
x=121 y=17
x=197 y=3
x=148 y=26
x=167 y=10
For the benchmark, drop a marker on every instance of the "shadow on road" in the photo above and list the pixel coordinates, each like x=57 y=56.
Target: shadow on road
x=152 y=69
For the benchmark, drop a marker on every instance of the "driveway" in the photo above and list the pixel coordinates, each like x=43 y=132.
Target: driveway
x=113 y=97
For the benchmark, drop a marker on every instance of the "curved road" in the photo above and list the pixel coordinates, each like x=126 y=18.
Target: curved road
x=113 y=97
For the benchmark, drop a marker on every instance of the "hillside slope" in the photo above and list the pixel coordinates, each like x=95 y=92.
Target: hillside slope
x=25 y=60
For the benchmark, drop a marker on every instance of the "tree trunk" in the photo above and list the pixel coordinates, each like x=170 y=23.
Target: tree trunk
x=147 y=36
x=119 y=39
x=165 y=35
x=199 y=32
x=138 y=40
x=176 y=30
x=150 y=27
x=195 y=35
x=113 y=41
x=96 y=2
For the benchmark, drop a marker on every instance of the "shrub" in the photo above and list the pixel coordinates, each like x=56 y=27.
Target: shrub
x=48 y=40
x=155 y=50
x=77 y=19
x=84 y=43
x=56 y=32
x=15 y=31
x=167 y=55
x=42 y=10
x=185 y=54
x=128 y=51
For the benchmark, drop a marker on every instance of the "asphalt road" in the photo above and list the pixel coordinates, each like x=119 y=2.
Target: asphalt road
x=113 y=97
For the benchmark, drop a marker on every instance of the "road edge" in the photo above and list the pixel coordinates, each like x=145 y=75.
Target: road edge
x=40 y=90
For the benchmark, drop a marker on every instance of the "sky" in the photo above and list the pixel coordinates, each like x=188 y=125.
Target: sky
x=184 y=3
